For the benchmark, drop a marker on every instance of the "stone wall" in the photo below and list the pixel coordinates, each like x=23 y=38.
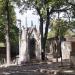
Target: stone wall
x=66 y=48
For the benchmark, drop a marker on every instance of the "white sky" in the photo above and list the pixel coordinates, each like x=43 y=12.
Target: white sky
x=30 y=17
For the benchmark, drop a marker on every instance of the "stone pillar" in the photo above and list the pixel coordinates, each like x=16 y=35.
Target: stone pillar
x=72 y=54
x=38 y=49
x=66 y=49
x=24 y=55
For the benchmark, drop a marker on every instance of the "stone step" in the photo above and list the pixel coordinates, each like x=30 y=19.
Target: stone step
x=33 y=60
x=66 y=72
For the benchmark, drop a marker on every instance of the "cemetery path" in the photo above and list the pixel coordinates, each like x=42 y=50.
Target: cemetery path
x=32 y=69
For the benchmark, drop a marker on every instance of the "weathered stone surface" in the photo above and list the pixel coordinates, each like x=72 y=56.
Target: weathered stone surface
x=66 y=72
x=30 y=45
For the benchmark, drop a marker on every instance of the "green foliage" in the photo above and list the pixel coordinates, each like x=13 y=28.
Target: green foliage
x=3 y=21
x=72 y=25
x=70 y=33
x=73 y=11
x=1 y=6
x=51 y=34
x=61 y=28
x=14 y=35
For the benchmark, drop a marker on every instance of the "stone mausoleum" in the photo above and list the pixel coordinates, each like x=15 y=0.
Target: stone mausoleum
x=30 y=48
x=67 y=48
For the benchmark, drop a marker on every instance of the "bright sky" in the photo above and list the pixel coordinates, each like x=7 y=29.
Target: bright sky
x=30 y=17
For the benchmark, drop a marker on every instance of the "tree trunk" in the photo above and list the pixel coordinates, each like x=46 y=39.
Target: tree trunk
x=46 y=32
x=61 y=51
x=7 y=34
x=7 y=46
x=43 y=38
x=41 y=32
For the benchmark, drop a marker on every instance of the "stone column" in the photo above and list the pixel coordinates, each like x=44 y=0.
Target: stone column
x=24 y=55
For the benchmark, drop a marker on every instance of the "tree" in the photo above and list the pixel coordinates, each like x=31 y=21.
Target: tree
x=59 y=26
x=60 y=29
x=44 y=9
x=7 y=32
x=7 y=19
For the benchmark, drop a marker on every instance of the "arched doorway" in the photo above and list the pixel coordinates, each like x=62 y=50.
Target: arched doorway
x=32 y=48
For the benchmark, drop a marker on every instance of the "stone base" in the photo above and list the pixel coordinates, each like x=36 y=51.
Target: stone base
x=73 y=60
x=66 y=72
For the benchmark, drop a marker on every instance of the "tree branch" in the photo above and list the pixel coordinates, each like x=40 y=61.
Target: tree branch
x=61 y=10
x=38 y=11
x=70 y=3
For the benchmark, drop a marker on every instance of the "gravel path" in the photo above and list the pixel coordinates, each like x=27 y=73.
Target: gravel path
x=30 y=69
x=46 y=68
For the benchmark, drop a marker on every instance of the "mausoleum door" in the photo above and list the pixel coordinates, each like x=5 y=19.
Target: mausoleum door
x=32 y=49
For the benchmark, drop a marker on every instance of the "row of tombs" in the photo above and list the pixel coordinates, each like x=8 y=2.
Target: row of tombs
x=31 y=47
x=67 y=49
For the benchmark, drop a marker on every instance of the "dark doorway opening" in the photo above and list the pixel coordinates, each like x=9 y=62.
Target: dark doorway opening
x=32 y=48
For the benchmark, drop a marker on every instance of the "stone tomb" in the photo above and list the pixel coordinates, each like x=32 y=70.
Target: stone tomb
x=72 y=53
x=30 y=45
